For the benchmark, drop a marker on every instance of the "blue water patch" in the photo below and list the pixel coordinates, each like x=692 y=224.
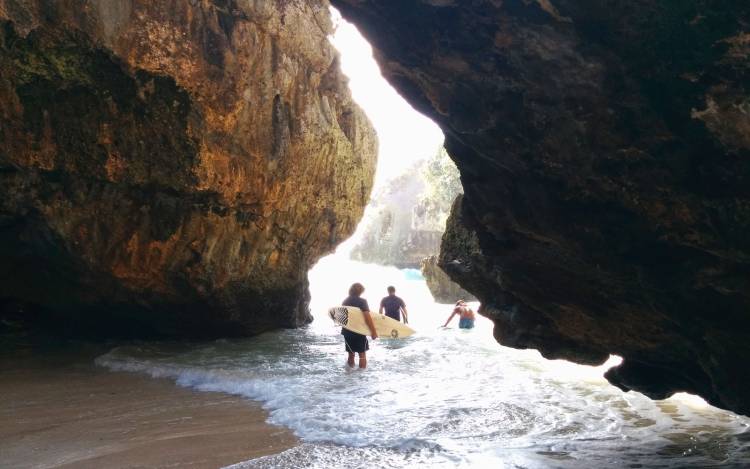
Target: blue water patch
x=412 y=274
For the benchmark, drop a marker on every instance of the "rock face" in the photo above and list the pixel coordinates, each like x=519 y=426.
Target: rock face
x=443 y=289
x=173 y=167
x=604 y=149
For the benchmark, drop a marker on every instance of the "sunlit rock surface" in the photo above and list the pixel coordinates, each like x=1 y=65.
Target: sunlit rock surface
x=172 y=167
x=442 y=288
x=604 y=149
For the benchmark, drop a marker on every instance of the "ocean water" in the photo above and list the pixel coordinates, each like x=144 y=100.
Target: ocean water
x=443 y=398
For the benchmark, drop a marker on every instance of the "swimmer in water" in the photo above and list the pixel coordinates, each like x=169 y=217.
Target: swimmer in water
x=465 y=314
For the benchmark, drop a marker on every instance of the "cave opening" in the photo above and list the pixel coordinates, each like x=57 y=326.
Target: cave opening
x=398 y=239
x=415 y=180
x=190 y=254
x=378 y=255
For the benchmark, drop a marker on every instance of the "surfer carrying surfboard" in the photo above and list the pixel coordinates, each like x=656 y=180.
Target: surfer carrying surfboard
x=353 y=342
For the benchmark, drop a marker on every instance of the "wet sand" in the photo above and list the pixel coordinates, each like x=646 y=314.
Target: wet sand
x=82 y=416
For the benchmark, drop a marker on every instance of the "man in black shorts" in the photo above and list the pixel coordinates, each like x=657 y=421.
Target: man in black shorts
x=353 y=342
x=393 y=306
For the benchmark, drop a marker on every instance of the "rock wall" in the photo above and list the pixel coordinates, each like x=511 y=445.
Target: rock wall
x=443 y=289
x=173 y=166
x=604 y=150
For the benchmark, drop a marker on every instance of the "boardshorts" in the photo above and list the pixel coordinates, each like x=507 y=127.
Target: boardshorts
x=353 y=342
x=466 y=323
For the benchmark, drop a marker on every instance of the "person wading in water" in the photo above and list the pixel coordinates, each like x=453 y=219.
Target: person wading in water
x=393 y=306
x=465 y=314
x=353 y=342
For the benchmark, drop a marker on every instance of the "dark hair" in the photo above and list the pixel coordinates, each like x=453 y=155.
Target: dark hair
x=460 y=302
x=356 y=289
x=391 y=289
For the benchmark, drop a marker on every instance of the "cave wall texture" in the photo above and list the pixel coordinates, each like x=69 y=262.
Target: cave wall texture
x=604 y=150
x=443 y=289
x=173 y=166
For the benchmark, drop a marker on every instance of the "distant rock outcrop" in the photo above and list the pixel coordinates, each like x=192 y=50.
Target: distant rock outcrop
x=173 y=167
x=407 y=215
x=390 y=237
x=604 y=150
x=443 y=289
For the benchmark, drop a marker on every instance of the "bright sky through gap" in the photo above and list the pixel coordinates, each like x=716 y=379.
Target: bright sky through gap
x=404 y=135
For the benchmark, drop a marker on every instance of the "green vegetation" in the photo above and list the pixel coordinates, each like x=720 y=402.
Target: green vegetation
x=442 y=185
x=442 y=180
x=407 y=216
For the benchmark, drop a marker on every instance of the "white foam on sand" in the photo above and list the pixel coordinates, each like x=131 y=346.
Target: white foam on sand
x=445 y=397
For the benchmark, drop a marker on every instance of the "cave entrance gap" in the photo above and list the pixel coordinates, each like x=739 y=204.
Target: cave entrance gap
x=398 y=230
x=415 y=185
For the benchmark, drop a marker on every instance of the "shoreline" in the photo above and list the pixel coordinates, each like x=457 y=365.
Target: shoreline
x=76 y=414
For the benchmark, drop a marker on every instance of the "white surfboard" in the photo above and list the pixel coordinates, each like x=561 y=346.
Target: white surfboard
x=352 y=318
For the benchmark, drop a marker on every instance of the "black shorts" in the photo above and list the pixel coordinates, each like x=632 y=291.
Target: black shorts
x=354 y=342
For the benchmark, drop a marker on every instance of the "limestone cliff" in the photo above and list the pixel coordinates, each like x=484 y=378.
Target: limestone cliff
x=604 y=150
x=442 y=288
x=173 y=166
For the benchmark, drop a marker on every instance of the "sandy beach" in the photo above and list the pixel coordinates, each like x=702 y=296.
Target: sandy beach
x=79 y=415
